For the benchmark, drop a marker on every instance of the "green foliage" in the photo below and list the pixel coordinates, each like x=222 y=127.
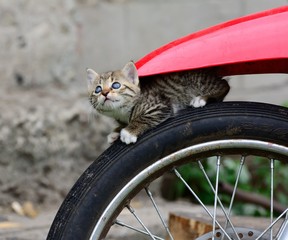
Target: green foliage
x=285 y=104
x=255 y=178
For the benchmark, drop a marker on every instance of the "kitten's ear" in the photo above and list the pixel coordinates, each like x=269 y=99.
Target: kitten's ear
x=130 y=72
x=92 y=76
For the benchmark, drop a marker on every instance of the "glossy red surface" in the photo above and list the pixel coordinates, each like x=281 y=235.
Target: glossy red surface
x=256 y=43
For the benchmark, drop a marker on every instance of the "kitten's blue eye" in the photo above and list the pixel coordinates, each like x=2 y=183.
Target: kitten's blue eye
x=98 y=89
x=116 y=85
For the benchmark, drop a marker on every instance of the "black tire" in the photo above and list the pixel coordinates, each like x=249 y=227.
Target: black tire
x=120 y=163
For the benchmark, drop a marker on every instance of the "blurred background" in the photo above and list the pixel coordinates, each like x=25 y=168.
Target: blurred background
x=48 y=132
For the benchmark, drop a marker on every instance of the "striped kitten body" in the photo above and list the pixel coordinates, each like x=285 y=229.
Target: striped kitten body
x=140 y=105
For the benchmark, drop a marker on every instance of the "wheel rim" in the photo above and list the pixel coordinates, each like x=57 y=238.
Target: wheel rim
x=268 y=149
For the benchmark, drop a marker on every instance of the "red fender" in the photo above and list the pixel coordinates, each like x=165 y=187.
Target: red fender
x=257 y=43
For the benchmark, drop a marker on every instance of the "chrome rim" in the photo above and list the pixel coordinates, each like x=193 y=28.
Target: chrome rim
x=226 y=230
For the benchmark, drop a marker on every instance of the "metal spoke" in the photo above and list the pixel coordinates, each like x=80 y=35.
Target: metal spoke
x=272 y=224
x=219 y=201
x=242 y=161
x=201 y=203
x=122 y=224
x=158 y=212
x=283 y=231
x=271 y=196
x=216 y=194
x=131 y=210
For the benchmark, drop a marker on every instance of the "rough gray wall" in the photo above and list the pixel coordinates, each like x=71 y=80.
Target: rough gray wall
x=47 y=134
x=54 y=41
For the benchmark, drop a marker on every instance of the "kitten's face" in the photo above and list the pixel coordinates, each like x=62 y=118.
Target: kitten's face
x=112 y=91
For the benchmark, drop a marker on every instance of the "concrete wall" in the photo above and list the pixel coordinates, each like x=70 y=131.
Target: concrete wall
x=54 y=41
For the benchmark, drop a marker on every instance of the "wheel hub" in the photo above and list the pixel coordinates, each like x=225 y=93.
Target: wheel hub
x=243 y=234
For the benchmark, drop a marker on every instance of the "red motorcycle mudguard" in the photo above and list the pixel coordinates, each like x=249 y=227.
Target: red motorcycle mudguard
x=256 y=43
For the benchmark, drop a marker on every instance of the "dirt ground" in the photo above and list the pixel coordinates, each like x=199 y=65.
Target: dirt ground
x=13 y=226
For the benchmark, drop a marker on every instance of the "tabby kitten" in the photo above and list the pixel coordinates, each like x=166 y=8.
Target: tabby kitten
x=140 y=105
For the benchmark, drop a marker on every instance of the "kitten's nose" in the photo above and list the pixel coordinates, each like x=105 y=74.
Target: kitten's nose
x=105 y=93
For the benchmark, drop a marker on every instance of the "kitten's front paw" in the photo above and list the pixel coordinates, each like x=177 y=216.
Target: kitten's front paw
x=198 y=102
x=112 y=137
x=127 y=137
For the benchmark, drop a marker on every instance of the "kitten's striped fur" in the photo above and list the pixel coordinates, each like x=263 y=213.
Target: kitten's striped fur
x=141 y=105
